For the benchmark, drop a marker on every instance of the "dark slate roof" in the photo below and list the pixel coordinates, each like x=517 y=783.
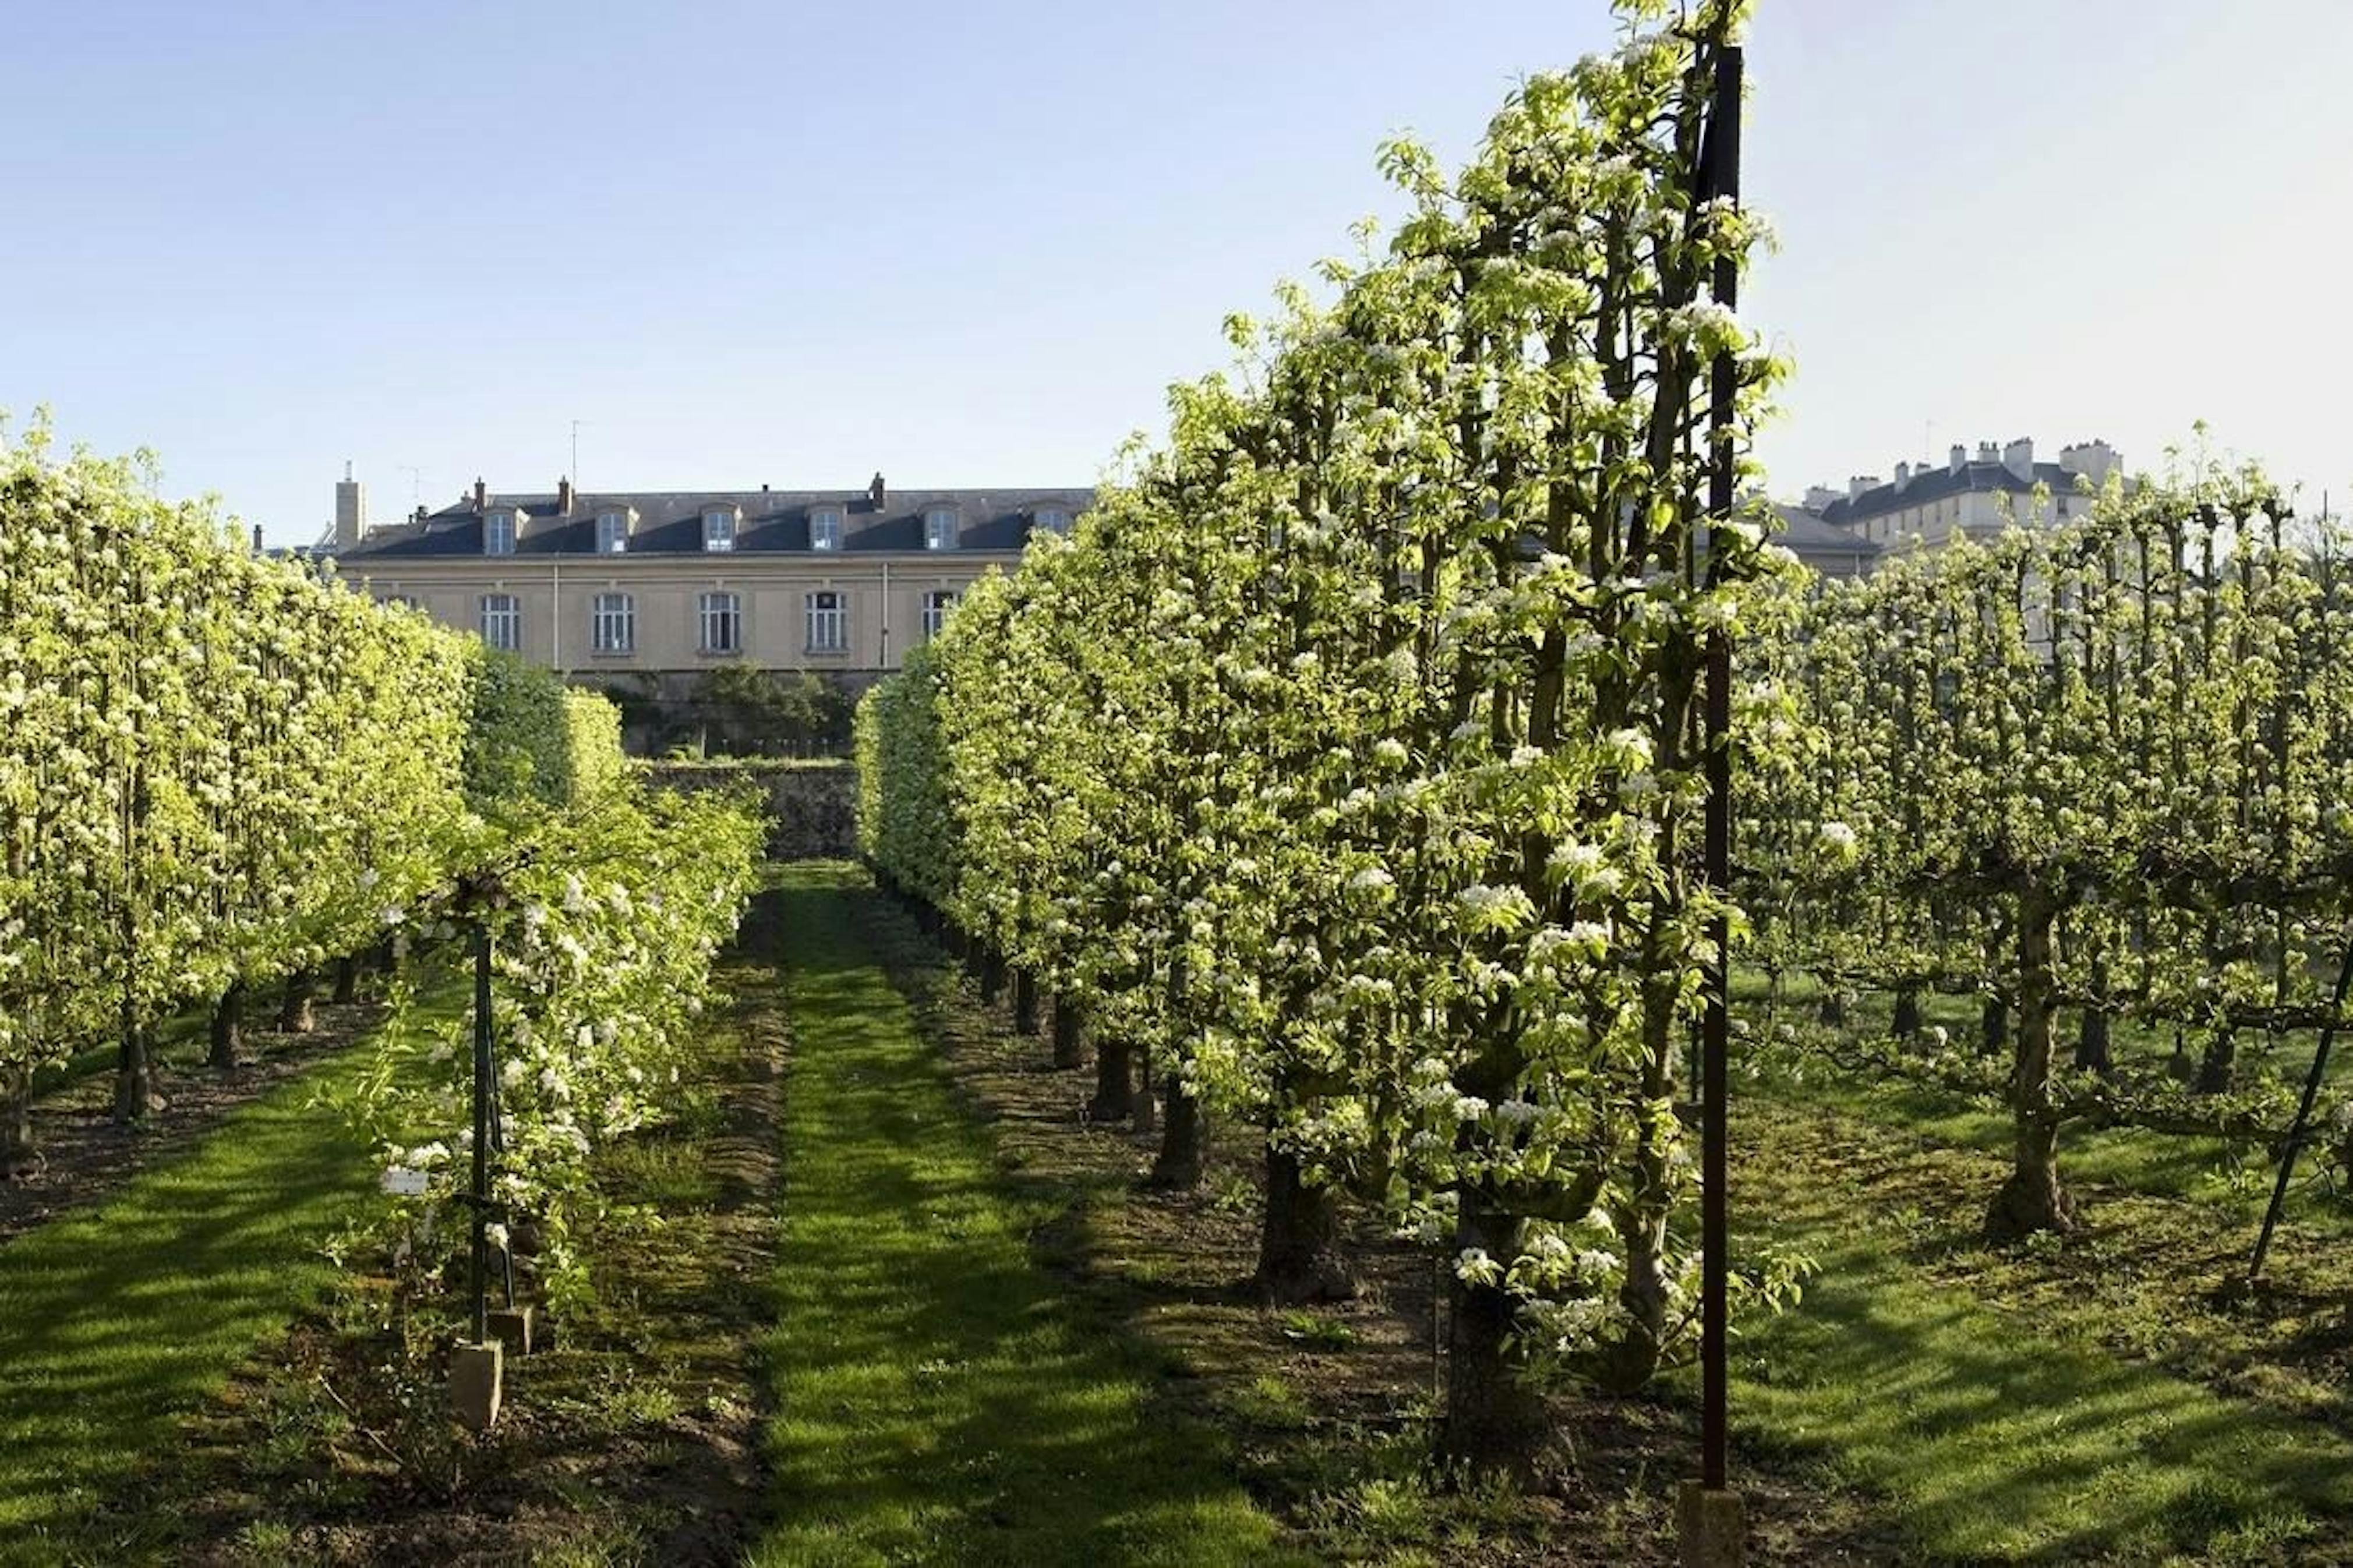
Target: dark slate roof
x=669 y=522
x=1936 y=484
x=1806 y=535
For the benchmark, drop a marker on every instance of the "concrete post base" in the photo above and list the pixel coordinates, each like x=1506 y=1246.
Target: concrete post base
x=512 y=1328
x=476 y=1374
x=1711 y=1527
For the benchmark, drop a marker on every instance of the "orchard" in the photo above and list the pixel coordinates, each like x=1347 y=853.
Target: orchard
x=1412 y=989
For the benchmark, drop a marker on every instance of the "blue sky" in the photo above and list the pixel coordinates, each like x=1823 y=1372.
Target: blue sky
x=972 y=244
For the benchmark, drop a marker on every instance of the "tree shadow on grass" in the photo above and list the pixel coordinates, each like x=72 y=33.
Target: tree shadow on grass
x=942 y=1397
x=114 y=1319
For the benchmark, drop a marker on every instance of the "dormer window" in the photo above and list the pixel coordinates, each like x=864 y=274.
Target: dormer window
x=824 y=528
x=719 y=528
x=1051 y=520
x=499 y=532
x=612 y=532
x=940 y=527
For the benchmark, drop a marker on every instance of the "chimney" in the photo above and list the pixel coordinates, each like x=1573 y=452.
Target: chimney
x=350 y=512
x=876 y=491
x=2095 y=460
x=1989 y=453
x=2018 y=458
x=1858 y=483
x=257 y=539
x=481 y=496
x=564 y=496
x=1818 y=497
x=1903 y=475
x=1959 y=460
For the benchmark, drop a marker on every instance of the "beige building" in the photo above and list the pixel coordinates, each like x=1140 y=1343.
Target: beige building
x=669 y=585
x=1972 y=498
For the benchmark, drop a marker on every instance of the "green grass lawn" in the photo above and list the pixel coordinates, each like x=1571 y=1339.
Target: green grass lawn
x=115 y=1319
x=940 y=1396
x=2206 y=1169
x=1988 y=1403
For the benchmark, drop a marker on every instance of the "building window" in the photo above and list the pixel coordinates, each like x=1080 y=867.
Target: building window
x=613 y=624
x=499 y=533
x=824 y=528
x=612 y=533
x=718 y=530
x=828 y=622
x=936 y=605
x=501 y=622
x=939 y=529
x=722 y=622
x=1052 y=520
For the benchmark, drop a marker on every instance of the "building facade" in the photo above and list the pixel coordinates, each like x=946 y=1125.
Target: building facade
x=1974 y=498
x=670 y=585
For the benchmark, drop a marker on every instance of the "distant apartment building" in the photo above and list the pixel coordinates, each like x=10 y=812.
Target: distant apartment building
x=1830 y=549
x=669 y=584
x=1974 y=498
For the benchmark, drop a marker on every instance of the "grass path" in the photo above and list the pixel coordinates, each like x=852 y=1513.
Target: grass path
x=942 y=1398
x=115 y=1319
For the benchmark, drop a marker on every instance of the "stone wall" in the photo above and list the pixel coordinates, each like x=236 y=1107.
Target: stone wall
x=812 y=806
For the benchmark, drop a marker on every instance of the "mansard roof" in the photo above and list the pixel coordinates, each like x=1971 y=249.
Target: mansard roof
x=669 y=522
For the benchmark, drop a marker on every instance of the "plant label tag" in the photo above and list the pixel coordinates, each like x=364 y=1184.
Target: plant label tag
x=404 y=1183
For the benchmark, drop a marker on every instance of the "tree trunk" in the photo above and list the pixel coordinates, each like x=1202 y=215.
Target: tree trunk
x=1299 y=1255
x=1995 y=1037
x=2092 y=1049
x=347 y=981
x=1025 y=1003
x=2091 y=1043
x=1908 y=1013
x=19 y=1156
x=1115 y=1094
x=295 y=1016
x=1495 y=1422
x=992 y=975
x=1069 y=1048
x=1833 y=1011
x=1183 y=1131
x=1147 y=1107
x=135 y=1098
x=2214 y=1066
x=2032 y=1199
x=228 y=1027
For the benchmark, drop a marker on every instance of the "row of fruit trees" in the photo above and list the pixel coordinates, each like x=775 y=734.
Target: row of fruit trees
x=222 y=771
x=2094 y=774
x=1345 y=766
x=1346 y=769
